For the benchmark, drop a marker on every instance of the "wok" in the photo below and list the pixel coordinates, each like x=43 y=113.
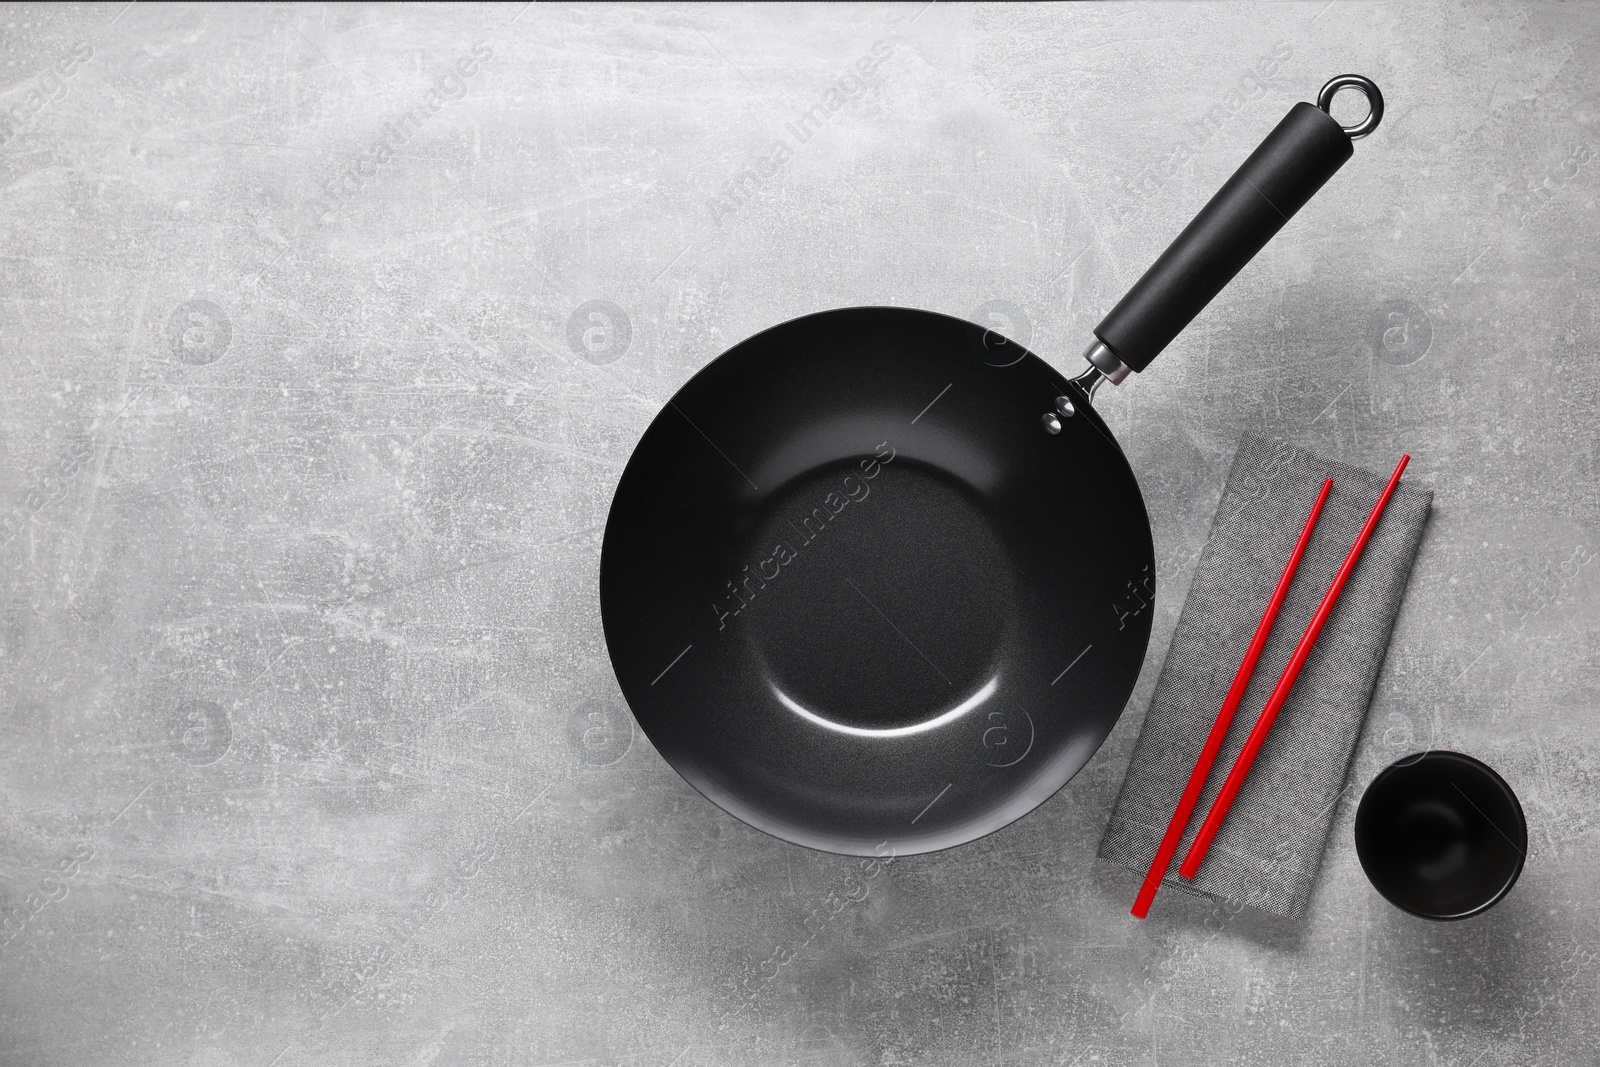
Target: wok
x=880 y=580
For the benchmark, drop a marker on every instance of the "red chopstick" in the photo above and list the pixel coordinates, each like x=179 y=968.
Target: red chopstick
x=1219 y=729
x=1269 y=714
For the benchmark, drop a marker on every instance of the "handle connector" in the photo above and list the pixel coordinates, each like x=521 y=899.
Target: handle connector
x=1104 y=360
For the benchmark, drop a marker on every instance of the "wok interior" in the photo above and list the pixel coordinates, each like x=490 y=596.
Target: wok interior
x=848 y=627
x=874 y=609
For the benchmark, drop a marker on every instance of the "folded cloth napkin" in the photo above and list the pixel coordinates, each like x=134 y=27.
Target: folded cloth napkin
x=1268 y=851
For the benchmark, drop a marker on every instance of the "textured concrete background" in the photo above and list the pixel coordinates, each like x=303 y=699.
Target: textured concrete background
x=309 y=748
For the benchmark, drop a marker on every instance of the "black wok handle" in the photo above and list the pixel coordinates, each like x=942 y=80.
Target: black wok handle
x=1276 y=181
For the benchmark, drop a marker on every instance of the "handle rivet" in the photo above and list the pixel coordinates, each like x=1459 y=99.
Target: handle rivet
x=1050 y=423
x=1064 y=406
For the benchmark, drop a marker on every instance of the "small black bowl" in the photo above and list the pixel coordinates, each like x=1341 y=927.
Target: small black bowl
x=1441 y=835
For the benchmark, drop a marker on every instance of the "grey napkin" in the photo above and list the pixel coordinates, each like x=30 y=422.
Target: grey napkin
x=1269 y=849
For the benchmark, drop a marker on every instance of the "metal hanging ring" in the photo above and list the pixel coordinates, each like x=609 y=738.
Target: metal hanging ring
x=1368 y=90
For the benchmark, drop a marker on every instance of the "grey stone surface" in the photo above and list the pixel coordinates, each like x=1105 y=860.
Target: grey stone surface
x=309 y=748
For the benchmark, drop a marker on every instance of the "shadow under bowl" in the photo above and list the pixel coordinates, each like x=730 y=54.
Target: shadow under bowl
x=1441 y=835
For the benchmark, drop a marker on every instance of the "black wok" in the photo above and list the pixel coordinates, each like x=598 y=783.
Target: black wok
x=879 y=579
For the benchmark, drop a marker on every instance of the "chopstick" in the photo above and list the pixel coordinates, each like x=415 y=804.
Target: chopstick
x=1269 y=714
x=1219 y=729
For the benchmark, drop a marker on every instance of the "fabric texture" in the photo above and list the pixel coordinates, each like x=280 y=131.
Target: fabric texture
x=1271 y=845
